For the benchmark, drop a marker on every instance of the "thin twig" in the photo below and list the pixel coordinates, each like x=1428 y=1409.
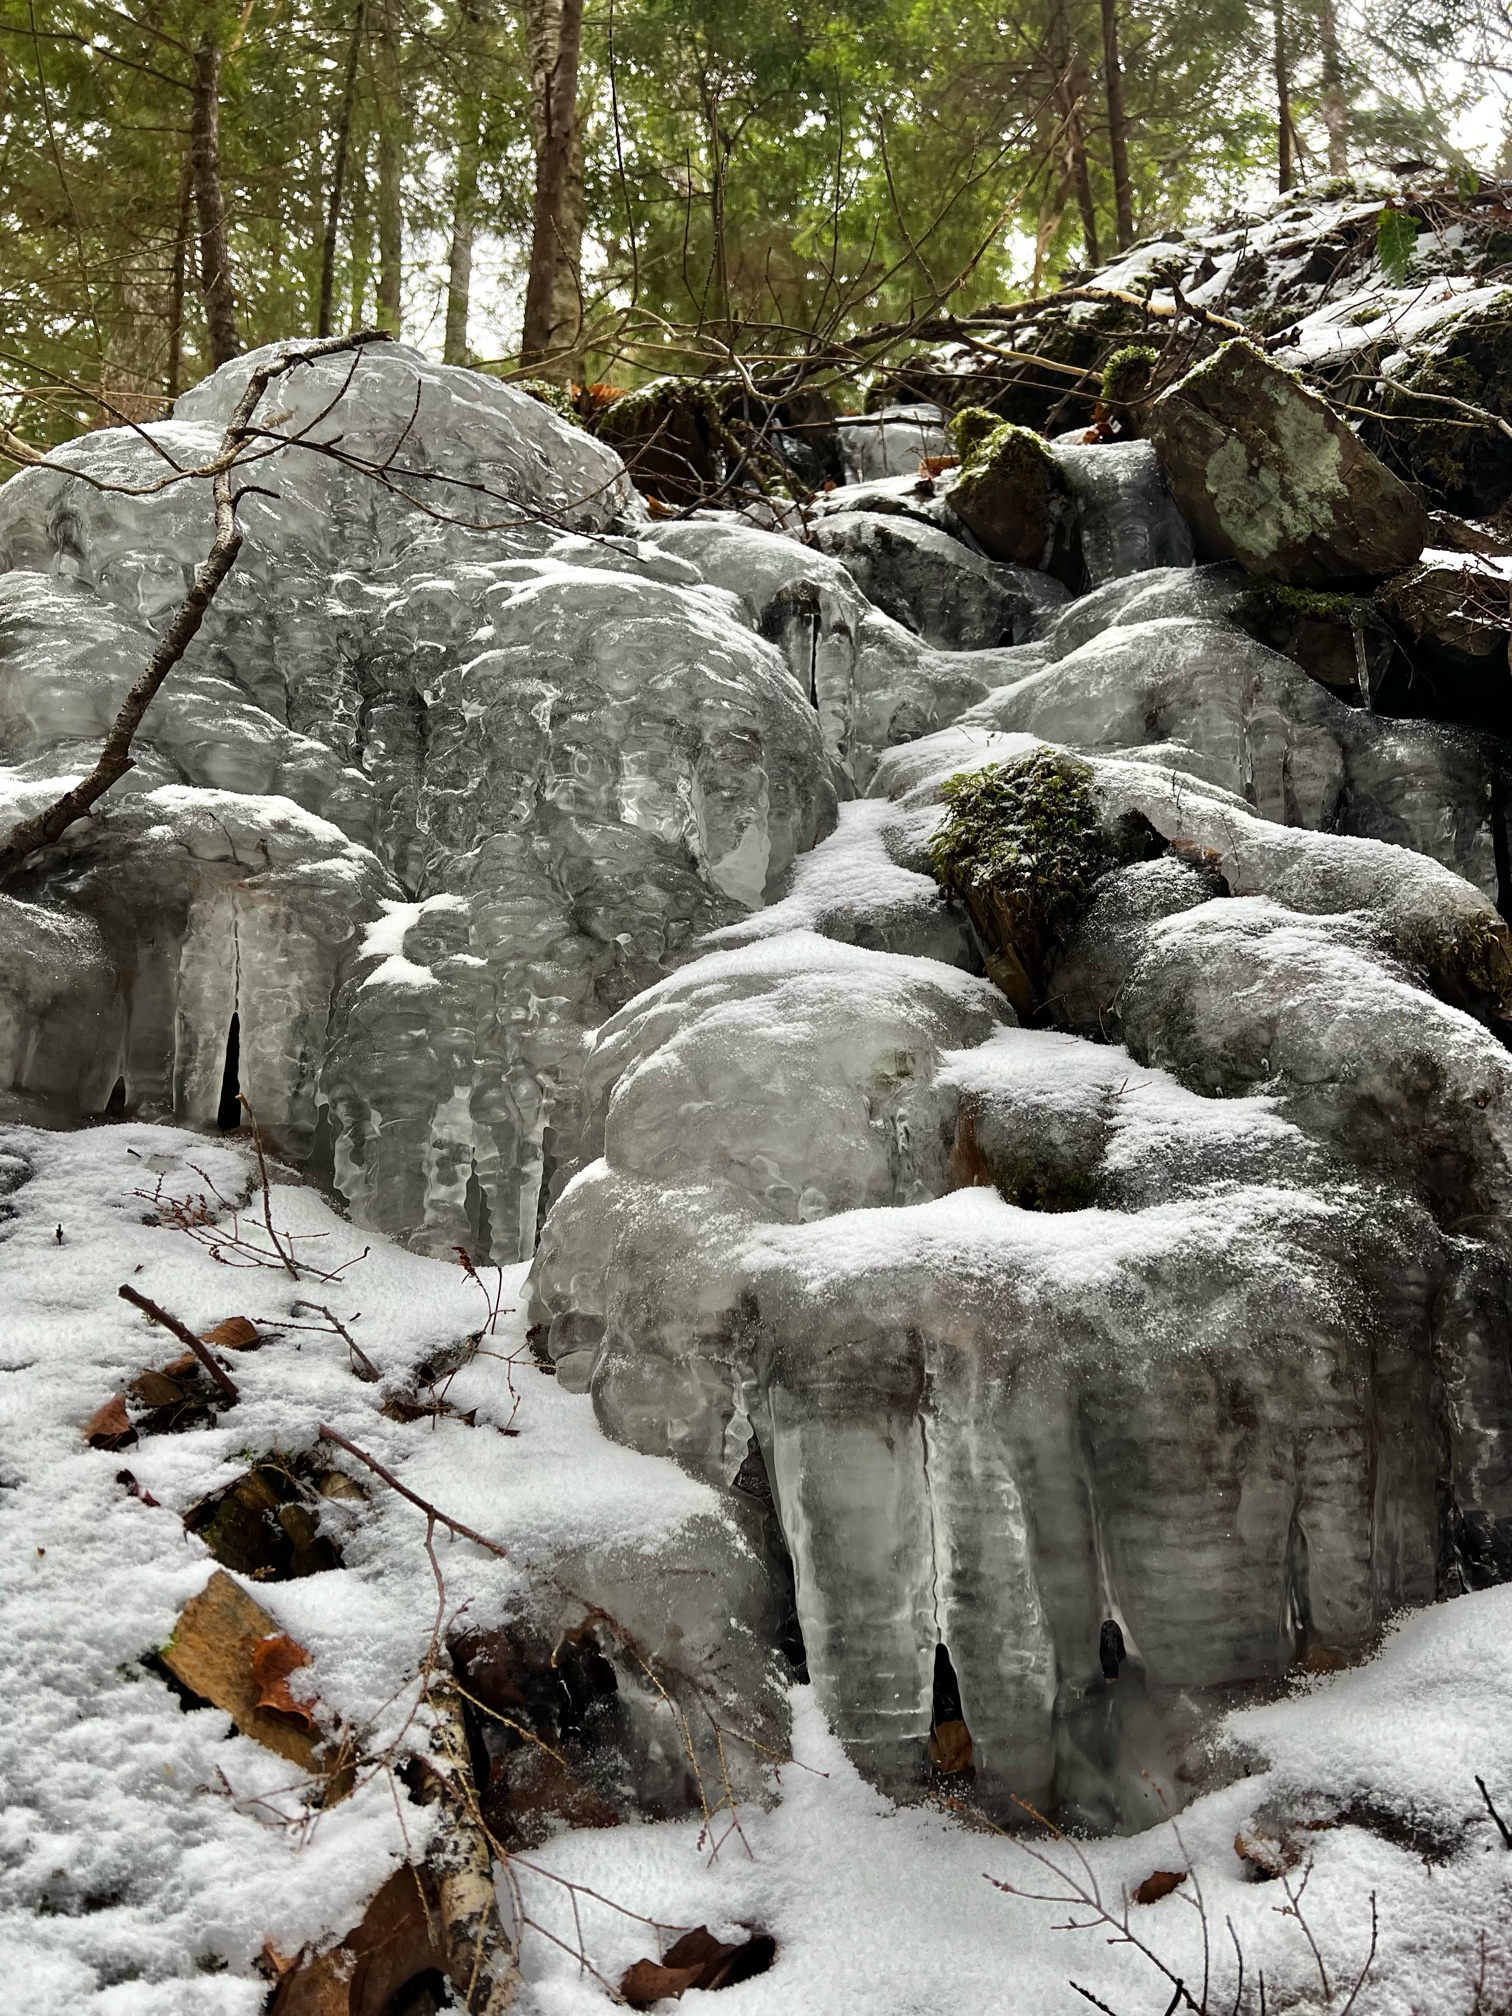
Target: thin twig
x=363 y=1366
x=431 y=1511
x=185 y=1335
x=1502 y=1828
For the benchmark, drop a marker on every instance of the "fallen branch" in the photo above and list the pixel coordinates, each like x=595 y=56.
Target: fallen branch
x=480 y=1958
x=115 y=758
x=185 y=1335
x=1501 y=1826
x=431 y=1511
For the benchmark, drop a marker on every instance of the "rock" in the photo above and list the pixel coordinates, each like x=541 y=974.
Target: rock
x=1459 y=602
x=672 y=436
x=1467 y=357
x=933 y=584
x=892 y=441
x=1267 y=473
x=1457 y=609
x=1012 y=495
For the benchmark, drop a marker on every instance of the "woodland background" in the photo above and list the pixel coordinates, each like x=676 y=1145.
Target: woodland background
x=646 y=186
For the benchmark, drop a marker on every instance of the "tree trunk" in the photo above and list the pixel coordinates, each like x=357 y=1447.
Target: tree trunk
x=390 y=211
x=338 y=173
x=1118 y=127
x=464 y=196
x=1070 y=101
x=553 y=300
x=1335 y=112
x=1283 y=101
x=215 y=261
x=180 y=276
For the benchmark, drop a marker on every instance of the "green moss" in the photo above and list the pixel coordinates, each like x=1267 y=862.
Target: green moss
x=557 y=397
x=659 y=397
x=1005 y=450
x=970 y=427
x=1317 y=603
x=1127 y=374
x=1029 y=831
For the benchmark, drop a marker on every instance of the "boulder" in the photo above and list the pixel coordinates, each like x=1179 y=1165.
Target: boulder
x=936 y=585
x=1012 y=495
x=1267 y=473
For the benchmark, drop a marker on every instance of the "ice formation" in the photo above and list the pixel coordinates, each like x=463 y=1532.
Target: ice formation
x=530 y=867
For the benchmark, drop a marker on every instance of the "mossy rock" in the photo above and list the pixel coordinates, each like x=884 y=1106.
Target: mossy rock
x=1127 y=374
x=557 y=397
x=1468 y=467
x=672 y=436
x=1012 y=495
x=1328 y=634
x=1022 y=843
x=1267 y=473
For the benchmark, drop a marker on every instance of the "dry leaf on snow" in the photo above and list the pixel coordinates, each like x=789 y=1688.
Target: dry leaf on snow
x=234 y=1334
x=1159 y=1885
x=109 y=1427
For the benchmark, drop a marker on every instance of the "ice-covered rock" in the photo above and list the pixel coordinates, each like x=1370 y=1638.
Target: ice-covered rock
x=568 y=756
x=934 y=584
x=892 y=441
x=1159 y=1316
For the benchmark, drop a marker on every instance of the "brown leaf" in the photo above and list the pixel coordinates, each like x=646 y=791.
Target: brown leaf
x=234 y=1334
x=156 y=1389
x=697 y=1960
x=366 y=1975
x=273 y=1661
x=1160 y=1884
x=109 y=1427
x=125 y=1478
x=648 y=1981
x=950 y=1747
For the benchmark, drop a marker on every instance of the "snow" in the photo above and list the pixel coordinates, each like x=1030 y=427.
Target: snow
x=887 y=1911
x=134 y=1853
x=136 y=1856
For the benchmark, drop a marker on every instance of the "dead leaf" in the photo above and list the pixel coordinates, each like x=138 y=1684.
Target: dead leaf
x=697 y=1960
x=272 y=1663
x=1268 y=1855
x=648 y=1981
x=125 y=1478
x=397 y=1942
x=1160 y=1884
x=213 y=1652
x=950 y=1747
x=156 y=1389
x=109 y=1427
x=234 y=1334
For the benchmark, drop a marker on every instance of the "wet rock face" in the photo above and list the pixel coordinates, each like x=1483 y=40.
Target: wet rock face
x=1158 y=1313
x=1061 y=1191
x=1267 y=473
x=425 y=801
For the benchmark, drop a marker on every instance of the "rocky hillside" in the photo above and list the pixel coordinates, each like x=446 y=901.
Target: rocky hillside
x=967 y=1007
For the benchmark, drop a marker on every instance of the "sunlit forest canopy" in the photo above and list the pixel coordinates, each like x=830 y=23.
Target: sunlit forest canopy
x=650 y=185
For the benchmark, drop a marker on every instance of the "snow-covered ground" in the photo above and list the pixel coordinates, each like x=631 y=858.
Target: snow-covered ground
x=148 y=1853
